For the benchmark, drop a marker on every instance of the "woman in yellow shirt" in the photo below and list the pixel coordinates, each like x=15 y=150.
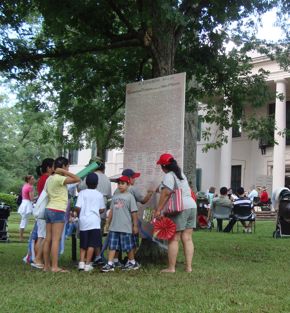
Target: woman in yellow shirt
x=55 y=211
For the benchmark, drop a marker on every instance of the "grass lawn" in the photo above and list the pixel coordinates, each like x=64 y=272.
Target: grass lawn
x=232 y=273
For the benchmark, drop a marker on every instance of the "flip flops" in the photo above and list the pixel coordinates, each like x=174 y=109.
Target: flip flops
x=60 y=270
x=37 y=265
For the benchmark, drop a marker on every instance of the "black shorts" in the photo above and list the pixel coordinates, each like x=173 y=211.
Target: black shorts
x=90 y=238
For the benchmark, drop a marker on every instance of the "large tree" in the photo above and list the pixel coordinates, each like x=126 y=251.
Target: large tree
x=88 y=51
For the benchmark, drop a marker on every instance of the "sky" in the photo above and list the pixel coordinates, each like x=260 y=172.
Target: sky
x=268 y=31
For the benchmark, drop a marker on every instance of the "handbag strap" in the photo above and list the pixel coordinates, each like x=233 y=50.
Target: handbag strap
x=175 y=182
x=45 y=185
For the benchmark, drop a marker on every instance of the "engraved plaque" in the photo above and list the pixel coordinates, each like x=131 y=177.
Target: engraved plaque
x=154 y=124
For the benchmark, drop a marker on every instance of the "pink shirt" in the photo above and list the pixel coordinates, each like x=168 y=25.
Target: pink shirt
x=26 y=189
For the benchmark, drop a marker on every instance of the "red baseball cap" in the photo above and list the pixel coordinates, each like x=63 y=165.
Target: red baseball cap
x=165 y=159
x=125 y=179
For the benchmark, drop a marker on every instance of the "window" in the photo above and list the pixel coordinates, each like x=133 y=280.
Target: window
x=198 y=134
x=272 y=112
x=73 y=156
x=236 y=131
x=198 y=179
x=236 y=177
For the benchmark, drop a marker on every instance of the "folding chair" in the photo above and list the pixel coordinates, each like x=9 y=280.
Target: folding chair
x=244 y=213
x=221 y=213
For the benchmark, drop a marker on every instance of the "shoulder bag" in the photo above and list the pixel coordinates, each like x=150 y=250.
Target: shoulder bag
x=174 y=204
x=41 y=203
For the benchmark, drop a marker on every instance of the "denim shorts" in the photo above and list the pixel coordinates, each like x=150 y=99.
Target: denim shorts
x=52 y=217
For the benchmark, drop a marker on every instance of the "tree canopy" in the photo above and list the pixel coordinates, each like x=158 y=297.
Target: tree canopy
x=85 y=52
x=25 y=139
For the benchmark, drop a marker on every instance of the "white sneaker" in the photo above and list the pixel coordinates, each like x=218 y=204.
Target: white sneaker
x=249 y=230
x=88 y=268
x=81 y=266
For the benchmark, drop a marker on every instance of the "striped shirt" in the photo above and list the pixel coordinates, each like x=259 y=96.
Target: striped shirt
x=243 y=206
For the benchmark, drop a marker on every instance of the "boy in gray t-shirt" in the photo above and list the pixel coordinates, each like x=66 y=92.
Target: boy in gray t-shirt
x=123 y=224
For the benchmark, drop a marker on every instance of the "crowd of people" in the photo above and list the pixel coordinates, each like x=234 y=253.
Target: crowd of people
x=95 y=209
x=228 y=206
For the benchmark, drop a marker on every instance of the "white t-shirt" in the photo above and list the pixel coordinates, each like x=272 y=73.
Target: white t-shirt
x=168 y=181
x=90 y=201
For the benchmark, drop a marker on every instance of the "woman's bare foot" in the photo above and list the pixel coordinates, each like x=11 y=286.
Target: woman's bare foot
x=59 y=270
x=188 y=270
x=167 y=270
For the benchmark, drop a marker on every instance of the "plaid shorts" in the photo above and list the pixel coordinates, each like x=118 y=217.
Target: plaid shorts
x=121 y=241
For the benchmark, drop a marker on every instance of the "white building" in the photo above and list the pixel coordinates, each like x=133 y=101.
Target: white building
x=239 y=162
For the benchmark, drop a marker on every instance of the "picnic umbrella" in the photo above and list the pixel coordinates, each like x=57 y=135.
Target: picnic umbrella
x=164 y=228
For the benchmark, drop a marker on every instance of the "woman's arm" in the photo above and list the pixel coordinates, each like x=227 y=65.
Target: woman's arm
x=31 y=195
x=147 y=197
x=164 y=195
x=70 y=177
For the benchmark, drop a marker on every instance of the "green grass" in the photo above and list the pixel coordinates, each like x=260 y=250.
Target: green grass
x=231 y=273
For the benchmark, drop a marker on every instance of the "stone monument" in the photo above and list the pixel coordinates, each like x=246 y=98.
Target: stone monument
x=154 y=124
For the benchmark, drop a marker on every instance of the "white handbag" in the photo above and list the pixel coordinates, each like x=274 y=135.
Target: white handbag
x=41 y=203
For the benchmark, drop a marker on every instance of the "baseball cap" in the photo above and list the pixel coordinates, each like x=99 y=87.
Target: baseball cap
x=123 y=178
x=92 y=179
x=130 y=173
x=165 y=158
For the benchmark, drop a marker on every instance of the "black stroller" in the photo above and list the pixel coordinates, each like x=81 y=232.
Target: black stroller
x=4 y=214
x=283 y=215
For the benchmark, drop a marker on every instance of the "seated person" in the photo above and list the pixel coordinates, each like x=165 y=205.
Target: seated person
x=264 y=197
x=221 y=207
x=242 y=211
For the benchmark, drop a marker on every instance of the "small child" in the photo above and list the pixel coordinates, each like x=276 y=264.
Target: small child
x=90 y=204
x=123 y=214
x=72 y=224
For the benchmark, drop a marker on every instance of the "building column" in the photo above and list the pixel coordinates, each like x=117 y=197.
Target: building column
x=279 y=148
x=226 y=161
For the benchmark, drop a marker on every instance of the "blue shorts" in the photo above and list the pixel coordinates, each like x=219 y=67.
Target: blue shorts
x=52 y=217
x=121 y=241
x=90 y=238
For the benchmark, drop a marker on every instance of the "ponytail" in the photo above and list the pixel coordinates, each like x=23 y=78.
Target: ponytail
x=173 y=167
x=46 y=163
x=27 y=178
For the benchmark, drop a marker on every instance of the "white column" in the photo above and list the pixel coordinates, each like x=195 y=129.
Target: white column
x=226 y=161
x=280 y=147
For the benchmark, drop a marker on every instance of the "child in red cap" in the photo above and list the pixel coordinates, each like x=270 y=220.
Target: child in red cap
x=123 y=215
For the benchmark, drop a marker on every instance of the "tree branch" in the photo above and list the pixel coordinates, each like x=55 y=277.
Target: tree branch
x=187 y=8
x=141 y=66
x=30 y=56
x=121 y=16
x=25 y=135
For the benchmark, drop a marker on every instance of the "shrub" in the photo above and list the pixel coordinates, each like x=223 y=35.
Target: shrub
x=9 y=200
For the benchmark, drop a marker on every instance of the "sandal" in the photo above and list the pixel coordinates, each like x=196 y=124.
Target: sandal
x=60 y=270
x=37 y=265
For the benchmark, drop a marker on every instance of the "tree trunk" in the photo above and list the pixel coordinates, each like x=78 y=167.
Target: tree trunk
x=190 y=140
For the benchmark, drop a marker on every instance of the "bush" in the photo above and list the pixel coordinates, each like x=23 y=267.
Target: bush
x=9 y=200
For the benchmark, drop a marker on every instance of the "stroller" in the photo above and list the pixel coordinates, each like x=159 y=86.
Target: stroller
x=283 y=214
x=202 y=211
x=4 y=214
